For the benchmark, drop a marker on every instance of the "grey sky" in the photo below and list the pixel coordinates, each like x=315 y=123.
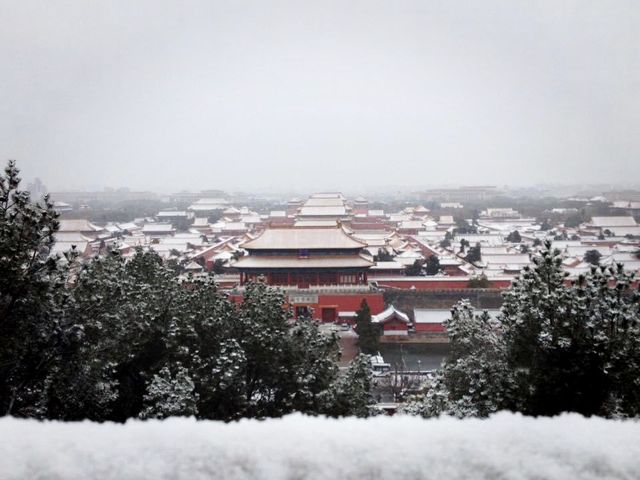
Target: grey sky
x=169 y=95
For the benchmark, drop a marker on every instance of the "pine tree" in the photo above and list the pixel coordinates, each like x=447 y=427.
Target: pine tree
x=170 y=395
x=556 y=347
x=432 y=265
x=415 y=269
x=593 y=257
x=474 y=378
x=446 y=241
x=368 y=334
x=383 y=256
x=351 y=393
x=474 y=254
x=129 y=339
x=481 y=281
x=464 y=244
x=463 y=227
x=514 y=237
x=32 y=283
x=545 y=226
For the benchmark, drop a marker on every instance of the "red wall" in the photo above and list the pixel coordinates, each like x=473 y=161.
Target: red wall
x=342 y=303
x=422 y=284
x=395 y=326
x=429 y=327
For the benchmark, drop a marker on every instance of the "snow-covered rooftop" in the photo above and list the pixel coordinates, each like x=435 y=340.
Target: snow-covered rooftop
x=617 y=221
x=388 y=314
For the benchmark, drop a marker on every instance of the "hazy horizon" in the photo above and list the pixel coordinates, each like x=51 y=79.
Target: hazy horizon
x=301 y=96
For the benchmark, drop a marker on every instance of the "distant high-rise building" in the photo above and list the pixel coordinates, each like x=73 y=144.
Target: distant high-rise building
x=37 y=189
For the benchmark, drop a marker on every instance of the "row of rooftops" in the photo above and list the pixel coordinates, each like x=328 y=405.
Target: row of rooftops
x=435 y=316
x=406 y=236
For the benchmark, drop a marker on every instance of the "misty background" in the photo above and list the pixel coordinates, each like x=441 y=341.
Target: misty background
x=170 y=95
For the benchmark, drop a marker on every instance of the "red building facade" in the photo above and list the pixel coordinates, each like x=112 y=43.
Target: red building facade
x=322 y=270
x=304 y=257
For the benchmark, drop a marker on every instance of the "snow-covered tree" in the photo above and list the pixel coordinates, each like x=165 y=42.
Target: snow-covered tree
x=571 y=346
x=129 y=339
x=32 y=284
x=170 y=394
x=557 y=346
x=350 y=394
x=474 y=377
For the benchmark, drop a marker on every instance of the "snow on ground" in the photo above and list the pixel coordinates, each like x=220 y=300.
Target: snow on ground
x=507 y=446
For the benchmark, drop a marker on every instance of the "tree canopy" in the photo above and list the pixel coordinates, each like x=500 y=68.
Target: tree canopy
x=593 y=257
x=474 y=254
x=368 y=332
x=117 y=338
x=514 y=237
x=555 y=347
x=432 y=265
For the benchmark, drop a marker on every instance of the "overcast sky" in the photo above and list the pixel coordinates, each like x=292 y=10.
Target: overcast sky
x=170 y=95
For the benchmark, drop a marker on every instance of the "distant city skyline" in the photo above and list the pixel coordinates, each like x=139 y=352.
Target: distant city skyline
x=375 y=191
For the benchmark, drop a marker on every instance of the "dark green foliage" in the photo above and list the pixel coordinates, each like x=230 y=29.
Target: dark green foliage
x=474 y=379
x=545 y=225
x=575 y=220
x=218 y=266
x=474 y=254
x=32 y=336
x=573 y=348
x=368 y=333
x=592 y=257
x=432 y=265
x=562 y=236
x=118 y=211
x=480 y=281
x=463 y=227
x=514 y=237
x=154 y=348
x=446 y=242
x=130 y=340
x=414 y=270
x=383 y=256
x=554 y=348
x=351 y=394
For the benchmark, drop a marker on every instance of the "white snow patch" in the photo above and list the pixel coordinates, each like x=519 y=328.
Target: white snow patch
x=507 y=446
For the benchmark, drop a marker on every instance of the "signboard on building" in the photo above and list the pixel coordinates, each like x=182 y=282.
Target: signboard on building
x=303 y=299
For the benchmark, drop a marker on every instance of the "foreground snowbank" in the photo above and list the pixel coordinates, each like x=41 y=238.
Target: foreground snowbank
x=297 y=447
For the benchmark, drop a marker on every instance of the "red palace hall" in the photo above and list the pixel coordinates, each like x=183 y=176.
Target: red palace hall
x=322 y=270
